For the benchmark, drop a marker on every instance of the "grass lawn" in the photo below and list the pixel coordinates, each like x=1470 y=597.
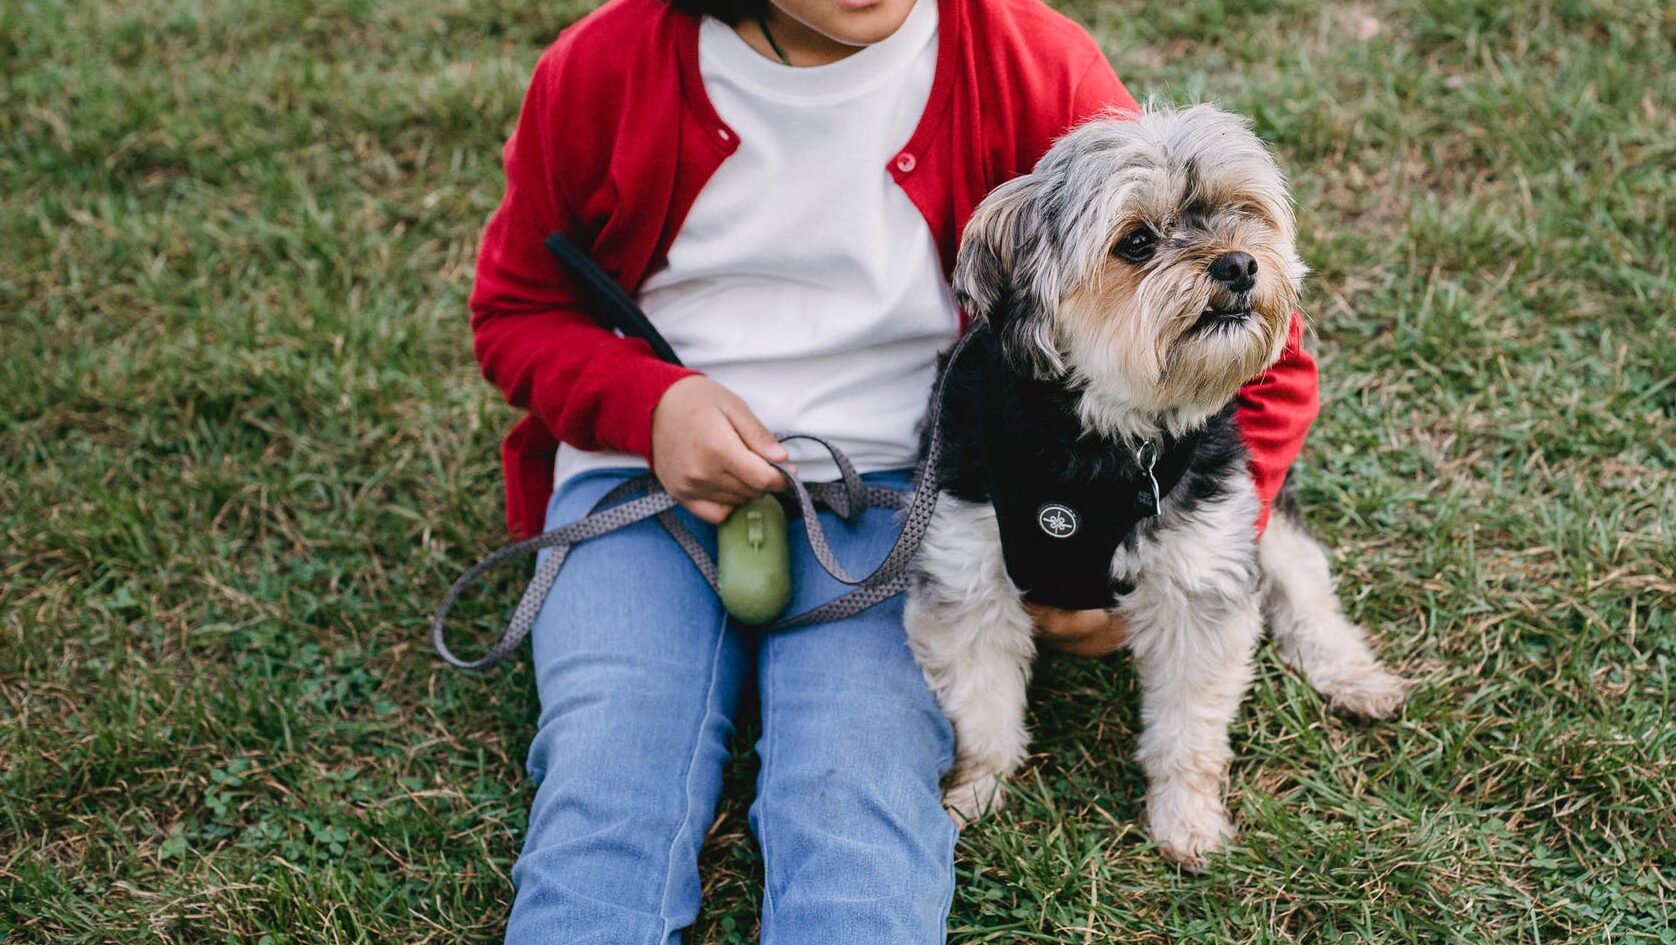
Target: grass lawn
x=244 y=447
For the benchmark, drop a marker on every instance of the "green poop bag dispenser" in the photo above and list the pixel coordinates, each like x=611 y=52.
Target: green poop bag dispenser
x=753 y=562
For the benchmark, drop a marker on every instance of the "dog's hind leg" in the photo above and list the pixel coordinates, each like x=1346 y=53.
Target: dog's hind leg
x=973 y=639
x=1310 y=632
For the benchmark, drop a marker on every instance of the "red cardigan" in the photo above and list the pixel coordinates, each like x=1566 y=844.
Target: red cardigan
x=617 y=137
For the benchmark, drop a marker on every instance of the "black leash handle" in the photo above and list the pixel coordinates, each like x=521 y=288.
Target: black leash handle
x=613 y=307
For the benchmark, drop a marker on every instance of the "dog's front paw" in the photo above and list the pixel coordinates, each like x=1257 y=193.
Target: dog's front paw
x=1375 y=694
x=1187 y=824
x=972 y=795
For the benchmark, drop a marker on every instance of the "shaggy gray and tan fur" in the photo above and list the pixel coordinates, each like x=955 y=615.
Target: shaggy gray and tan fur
x=1148 y=266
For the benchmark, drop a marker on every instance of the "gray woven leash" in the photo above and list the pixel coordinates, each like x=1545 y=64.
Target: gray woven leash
x=848 y=497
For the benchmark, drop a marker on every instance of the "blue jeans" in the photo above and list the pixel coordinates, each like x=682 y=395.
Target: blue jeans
x=640 y=673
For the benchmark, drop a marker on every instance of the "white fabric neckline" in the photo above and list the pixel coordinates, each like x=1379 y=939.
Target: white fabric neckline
x=729 y=54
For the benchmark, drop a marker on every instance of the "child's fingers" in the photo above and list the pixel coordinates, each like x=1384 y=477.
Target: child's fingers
x=758 y=439
x=718 y=488
x=748 y=471
x=712 y=512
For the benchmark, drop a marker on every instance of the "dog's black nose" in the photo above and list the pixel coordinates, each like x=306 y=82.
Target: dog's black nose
x=1236 y=270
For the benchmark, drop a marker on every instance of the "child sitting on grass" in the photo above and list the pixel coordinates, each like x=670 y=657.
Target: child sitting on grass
x=781 y=185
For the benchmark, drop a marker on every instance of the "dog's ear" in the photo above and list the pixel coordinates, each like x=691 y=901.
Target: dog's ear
x=1004 y=273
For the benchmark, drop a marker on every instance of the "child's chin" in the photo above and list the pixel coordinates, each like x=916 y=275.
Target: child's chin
x=864 y=22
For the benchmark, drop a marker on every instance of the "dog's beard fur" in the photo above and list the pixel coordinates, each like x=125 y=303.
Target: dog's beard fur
x=1040 y=259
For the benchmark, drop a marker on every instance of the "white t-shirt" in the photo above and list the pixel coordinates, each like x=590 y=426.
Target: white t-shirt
x=803 y=278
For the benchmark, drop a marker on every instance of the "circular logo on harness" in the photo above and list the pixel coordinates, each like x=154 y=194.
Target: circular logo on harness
x=1057 y=520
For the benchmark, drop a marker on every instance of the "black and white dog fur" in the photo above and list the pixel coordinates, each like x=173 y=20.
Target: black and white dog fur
x=1146 y=267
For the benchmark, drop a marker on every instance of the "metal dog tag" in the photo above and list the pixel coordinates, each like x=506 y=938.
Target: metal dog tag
x=1148 y=458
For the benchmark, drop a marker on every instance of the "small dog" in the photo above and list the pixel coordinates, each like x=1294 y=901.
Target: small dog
x=1129 y=285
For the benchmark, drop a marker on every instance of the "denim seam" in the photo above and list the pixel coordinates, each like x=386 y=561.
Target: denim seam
x=950 y=882
x=766 y=756
x=687 y=777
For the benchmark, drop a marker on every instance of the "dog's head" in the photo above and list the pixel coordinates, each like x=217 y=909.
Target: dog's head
x=1147 y=261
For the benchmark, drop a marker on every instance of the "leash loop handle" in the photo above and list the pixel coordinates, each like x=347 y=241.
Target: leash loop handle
x=529 y=606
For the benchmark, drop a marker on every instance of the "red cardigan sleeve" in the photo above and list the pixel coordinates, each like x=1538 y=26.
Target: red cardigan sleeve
x=531 y=334
x=1099 y=91
x=1274 y=411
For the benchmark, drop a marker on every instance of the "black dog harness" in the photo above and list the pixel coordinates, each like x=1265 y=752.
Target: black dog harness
x=1062 y=512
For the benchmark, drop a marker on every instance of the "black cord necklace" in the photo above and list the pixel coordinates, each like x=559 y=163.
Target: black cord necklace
x=762 y=24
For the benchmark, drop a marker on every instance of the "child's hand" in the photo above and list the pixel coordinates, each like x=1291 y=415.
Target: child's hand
x=709 y=451
x=1079 y=632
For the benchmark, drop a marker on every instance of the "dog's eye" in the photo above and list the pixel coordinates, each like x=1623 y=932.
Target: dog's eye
x=1138 y=246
